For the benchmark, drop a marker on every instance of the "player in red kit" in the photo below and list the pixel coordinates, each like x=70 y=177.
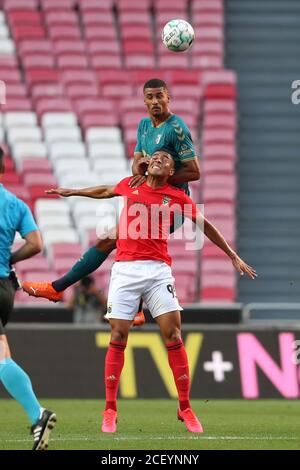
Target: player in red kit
x=142 y=270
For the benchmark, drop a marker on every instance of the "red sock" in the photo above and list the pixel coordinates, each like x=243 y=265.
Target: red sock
x=114 y=362
x=180 y=367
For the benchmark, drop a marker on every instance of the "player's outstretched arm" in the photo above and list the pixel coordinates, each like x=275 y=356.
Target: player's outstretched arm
x=217 y=238
x=97 y=192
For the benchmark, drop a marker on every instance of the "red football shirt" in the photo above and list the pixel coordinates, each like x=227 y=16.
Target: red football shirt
x=146 y=219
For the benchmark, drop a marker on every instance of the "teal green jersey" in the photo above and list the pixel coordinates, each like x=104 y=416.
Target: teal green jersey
x=172 y=135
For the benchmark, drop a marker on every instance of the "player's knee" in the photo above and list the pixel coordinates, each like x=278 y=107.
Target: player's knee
x=119 y=335
x=173 y=335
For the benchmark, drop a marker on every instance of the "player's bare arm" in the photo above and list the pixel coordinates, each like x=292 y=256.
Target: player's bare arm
x=32 y=246
x=189 y=171
x=217 y=238
x=96 y=192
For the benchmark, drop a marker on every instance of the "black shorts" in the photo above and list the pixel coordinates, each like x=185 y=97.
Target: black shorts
x=7 y=295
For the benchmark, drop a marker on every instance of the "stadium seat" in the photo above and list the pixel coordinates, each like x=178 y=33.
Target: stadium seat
x=72 y=61
x=23 y=134
x=22 y=150
x=9 y=5
x=65 y=5
x=48 y=90
x=105 y=150
x=37 y=263
x=34 y=76
x=218 y=165
x=79 y=77
x=106 y=32
x=64 y=165
x=95 y=5
x=103 y=134
x=33 y=165
x=106 y=165
x=75 y=92
x=52 y=221
x=60 y=235
x=15 y=90
x=64 y=250
x=38 y=60
x=66 y=150
x=68 y=47
x=94 y=18
x=48 y=206
x=7 y=46
x=59 y=119
x=109 y=61
x=62 y=18
x=34 y=46
x=58 y=134
x=169 y=61
x=133 y=5
x=39 y=179
x=75 y=180
x=53 y=105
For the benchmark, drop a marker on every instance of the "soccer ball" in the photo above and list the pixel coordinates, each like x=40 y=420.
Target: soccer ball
x=178 y=35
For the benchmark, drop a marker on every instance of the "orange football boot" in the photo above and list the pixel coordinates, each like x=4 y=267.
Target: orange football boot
x=42 y=289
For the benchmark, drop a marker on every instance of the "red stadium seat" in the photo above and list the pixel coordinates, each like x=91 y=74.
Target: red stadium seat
x=207 y=6
x=34 y=76
x=17 y=104
x=62 y=18
x=36 y=264
x=58 y=32
x=92 y=106
x=218 y=294
x=20 y=32
x=169 y=60
x=68 y=47
x=38 y=60
x=40 y=276
x=11 y=178
x=32 y=180
x=82 y=91
x=109 y=61
x=8 y=62
x=139 y=61
x=24 y=17
x=15 y=90
x=62 y=265
x=104 y=33
x=114 y=76
x=62 y=250
x=206 y=61
x=19 y=190
x=136 y=32
x=35 y=165
x=103 y=47
x=55 y=105
x=9 y=75
x=48 y=90
x=95 y=5
x=94 y=120
x=133 y=18
x=65 y=5
x=218 y=165
x=98 y=19
x=79 y=77
x=133 y=5
x=9 y=5
x=72 y=61
x=134 y=47
x=31 y=46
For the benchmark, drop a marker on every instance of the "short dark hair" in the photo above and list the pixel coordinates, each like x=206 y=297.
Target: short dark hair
x=155 y=83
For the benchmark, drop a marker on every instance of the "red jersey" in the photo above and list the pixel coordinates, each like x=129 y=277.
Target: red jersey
x=146 y=219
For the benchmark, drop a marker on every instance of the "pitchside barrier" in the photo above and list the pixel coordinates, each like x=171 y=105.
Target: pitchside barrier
x=226 y=361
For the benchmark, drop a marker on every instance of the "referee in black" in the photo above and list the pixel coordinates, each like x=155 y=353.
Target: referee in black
x=15 y=216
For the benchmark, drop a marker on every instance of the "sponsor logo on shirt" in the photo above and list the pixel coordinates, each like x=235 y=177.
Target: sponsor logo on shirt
x=157 y=140
x=166 y=200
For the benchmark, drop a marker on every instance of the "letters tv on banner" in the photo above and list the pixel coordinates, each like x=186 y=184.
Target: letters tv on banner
x=233 y=363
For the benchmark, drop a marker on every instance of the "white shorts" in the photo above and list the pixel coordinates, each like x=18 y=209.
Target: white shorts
x=132 y=280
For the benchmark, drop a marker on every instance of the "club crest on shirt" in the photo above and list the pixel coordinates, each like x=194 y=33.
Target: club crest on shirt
x=157 y=140
x=166 y=200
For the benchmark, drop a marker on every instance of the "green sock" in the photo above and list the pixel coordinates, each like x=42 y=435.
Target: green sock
x=89 y=262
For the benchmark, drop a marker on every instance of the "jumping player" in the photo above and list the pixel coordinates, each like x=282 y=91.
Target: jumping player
x=142 y=269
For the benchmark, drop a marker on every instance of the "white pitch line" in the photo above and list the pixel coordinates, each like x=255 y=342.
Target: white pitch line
x=161 y=438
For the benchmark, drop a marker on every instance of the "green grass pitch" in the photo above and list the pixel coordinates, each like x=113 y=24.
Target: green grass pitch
x=153 y=424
